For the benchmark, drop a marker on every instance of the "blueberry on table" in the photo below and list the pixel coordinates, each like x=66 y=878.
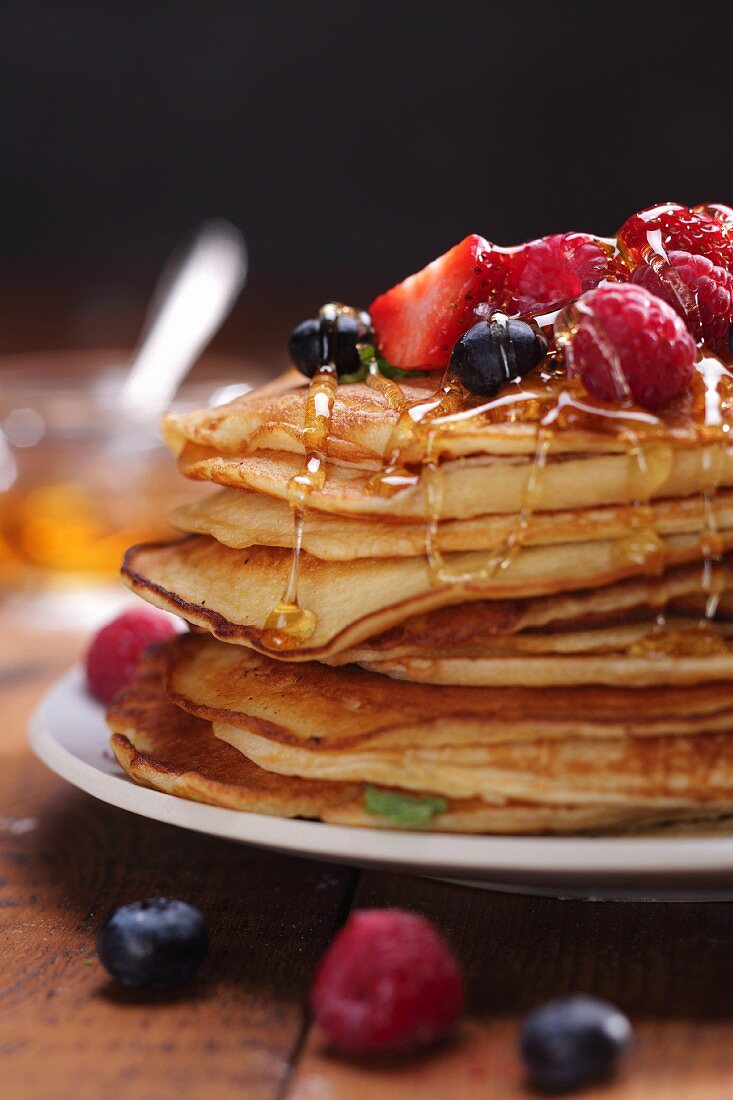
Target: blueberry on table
x=306 y=343
x=571 y=1042
x=154 y=944
x=490 y=354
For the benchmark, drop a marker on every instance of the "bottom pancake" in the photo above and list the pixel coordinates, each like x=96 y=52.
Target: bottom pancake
x=165 y=748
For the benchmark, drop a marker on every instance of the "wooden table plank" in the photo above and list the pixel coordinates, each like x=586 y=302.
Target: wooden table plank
x=672 y=1061
x=665 y=964
x=65 y=860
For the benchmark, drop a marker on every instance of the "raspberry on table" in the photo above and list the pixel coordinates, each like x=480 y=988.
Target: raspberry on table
x=552 y=270
x=708 y=309
x=387 y=984
x=115 y=651
x=629 y=343
x=671 y=226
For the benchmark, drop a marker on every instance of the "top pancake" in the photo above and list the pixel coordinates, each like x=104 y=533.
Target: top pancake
x=363 y=421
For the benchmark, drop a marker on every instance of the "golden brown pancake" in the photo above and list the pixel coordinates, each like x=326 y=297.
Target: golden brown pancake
x=340 y=708
x=163 y=747
x=231 y=592
x=615 y=669
x=240 y=518
x=473 y=486
x=363 y=422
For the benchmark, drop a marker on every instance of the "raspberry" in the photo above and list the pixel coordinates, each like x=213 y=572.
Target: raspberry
x=708 y=308
x=553 y=270
x=671 y=226
x=631 y=343
x=115 y=651
x=388 y=983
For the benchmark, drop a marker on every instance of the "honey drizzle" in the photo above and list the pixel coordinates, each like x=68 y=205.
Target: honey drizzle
x=713 y=373
x=413 y=420
x=288 y=624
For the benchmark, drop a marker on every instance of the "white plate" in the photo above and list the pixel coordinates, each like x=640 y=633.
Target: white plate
x=68 y=733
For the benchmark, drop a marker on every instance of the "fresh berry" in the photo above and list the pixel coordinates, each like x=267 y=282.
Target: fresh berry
x=670 y=226
x=153 y=944
x=493 y=353
x=115 y=652
x=572 y=1042
x=552 y=271
x=309 y=349
x=698 y=290
x=630 y=343
x=388 y=983
x=418 y=321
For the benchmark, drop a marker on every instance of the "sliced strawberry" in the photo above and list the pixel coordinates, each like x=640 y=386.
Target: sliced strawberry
x=553 y=270
x=418 y=321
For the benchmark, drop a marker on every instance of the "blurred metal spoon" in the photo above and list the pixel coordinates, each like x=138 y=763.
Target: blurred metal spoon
x=194 y=294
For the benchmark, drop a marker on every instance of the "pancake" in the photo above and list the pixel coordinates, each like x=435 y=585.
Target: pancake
x=240 y=518
x=473 y=486
x=654 y=772
x=349 y=726
x=363 y=422
x=164 y=748
x=347 y=708
x=231 y=592
x=472 y=626
x=617 y=670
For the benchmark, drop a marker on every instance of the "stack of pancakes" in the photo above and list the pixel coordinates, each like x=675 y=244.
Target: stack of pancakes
x=510 y=629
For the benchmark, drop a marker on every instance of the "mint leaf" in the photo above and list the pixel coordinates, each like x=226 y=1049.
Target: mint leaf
x=410 y=810
x=368 y=354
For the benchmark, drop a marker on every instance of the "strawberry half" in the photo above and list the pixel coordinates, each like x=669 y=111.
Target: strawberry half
x=418 y=321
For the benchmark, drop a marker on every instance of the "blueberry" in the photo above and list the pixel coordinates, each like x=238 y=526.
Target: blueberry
x=153 y=944
x=489 y=355
x=730 y=339
x=306 y=343
x=571 y=1042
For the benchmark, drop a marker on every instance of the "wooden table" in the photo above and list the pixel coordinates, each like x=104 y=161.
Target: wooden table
x=241 y=1030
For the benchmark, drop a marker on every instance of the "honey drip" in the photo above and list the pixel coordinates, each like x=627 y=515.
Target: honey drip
x=718 y=391
x=289 y=625
x=413 y=423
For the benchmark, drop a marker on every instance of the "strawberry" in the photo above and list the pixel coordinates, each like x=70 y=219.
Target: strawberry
x=417 y=322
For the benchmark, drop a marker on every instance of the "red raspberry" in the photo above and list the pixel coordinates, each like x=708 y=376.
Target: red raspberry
x=387 y=983
x=115 y=652
x=708 y=308
x=553 y=270
x=631 y=343
x=671 y=226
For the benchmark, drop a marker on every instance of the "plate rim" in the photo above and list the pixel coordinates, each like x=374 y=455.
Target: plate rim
x=505 y=858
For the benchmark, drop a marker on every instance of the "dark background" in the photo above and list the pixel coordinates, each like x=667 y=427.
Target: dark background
x=351 y=142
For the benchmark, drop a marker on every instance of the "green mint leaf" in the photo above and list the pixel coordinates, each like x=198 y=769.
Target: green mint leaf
x=410 y=810
x=355 y=376
x=368 y=354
